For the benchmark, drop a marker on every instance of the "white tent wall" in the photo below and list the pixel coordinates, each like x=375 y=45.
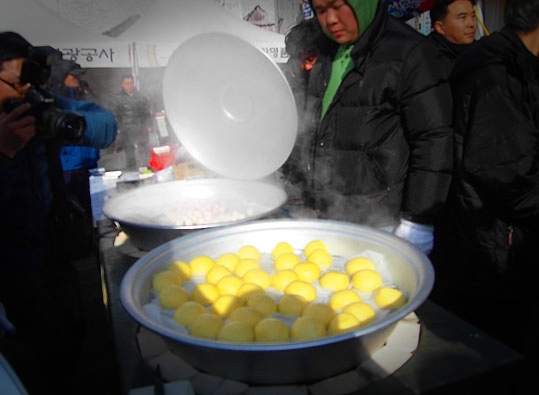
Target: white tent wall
x=41 y=26
x=143 y=48
x=168 y=23
x=158 y=32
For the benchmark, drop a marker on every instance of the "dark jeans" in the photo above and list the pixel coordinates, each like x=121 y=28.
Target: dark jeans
x=78 y=183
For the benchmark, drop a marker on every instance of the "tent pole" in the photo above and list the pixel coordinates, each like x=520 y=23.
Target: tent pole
x=134 y=66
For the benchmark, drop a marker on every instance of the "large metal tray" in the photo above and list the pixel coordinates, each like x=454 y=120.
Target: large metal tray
x=291 y=362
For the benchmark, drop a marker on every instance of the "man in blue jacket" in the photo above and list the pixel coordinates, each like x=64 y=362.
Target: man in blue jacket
x=101 y=130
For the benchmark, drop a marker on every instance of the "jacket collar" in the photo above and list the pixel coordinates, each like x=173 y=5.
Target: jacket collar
x=448 y=48
x=370 y=37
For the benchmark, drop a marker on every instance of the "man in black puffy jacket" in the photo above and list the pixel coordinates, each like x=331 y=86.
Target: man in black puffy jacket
x=133 y=111
x=382 y=154
x=496 y=195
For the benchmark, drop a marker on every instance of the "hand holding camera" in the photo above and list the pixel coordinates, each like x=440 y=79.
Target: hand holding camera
x=16 y=129
x=36 y=106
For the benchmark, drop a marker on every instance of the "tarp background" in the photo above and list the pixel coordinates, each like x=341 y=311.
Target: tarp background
x=141 y=49
x=148 y=42
x=407 y=9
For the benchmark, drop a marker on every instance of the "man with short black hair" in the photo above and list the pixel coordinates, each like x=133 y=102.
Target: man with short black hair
x=133 y=112
x=455 y=24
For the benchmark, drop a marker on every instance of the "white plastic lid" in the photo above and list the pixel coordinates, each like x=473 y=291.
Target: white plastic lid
x=230 y=106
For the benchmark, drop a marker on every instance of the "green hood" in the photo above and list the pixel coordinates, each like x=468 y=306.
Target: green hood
x=364 y=10
x=342 y=63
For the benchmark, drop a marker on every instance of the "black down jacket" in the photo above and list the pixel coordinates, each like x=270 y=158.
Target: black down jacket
x=496 y=91
x=384 y=147
x=132 y=112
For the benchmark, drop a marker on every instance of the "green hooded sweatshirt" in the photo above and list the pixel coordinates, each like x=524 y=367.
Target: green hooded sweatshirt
x=342 y=63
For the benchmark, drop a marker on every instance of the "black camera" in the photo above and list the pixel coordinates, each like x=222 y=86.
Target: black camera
x=51 y=120
x=36 y=69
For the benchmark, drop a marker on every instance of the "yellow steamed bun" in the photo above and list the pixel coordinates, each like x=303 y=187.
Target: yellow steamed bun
x=244 y=265
x=201 y=264
x=366 y=280
x=343 y=322
x=282 y=278
x=271 y=330
x=229 y=285
x=228 y=260
x=314 y=245
x=247 y=315
x=281 y=248
x=249 y=289
x=164 y=278
x=364 y=312
x=285 y=261
x=389 y=298
x=187 y=312
x=236 y=332
x=319 y=311
x=225 y=305
x=258 y=277
x=342 y=298
x=205 y=293
x=216 y=273
x=302 y=288
x=307 y=328
x=334 y=281
x=249 y=252
x=321 y=257
x=206 y=326
x=358 y=263
x=265 y=304
x=307 y=271
x=291 y=305
x=172 y=296
x=182 y=268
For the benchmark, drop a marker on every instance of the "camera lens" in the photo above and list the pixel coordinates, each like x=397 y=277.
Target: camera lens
x=68 y=124
x=72 y=126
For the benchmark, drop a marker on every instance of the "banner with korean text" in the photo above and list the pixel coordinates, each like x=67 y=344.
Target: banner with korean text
x=106 y=55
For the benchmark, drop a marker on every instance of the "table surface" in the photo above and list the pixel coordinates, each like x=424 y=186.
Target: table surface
x=452 y=355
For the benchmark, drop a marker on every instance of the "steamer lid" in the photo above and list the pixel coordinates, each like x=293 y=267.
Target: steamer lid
x=230 y=106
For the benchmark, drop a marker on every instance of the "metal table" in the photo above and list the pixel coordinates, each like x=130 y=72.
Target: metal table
x=452 y=355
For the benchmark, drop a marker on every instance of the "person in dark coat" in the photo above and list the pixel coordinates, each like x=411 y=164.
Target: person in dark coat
x=133 y=112
x=78 y=159
x=305 y=43
x=454 y=26
x=39 y=290
x=382 y=154
x=495 y=198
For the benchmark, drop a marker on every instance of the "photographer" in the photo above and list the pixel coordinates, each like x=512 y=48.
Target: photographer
x=79 y=158
x=38 y=284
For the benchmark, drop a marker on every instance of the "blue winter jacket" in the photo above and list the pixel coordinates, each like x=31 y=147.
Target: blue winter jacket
x=25 y=188
x=101 y=130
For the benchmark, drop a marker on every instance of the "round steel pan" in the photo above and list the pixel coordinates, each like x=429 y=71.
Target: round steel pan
x=156 y=213
x=289 y=362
